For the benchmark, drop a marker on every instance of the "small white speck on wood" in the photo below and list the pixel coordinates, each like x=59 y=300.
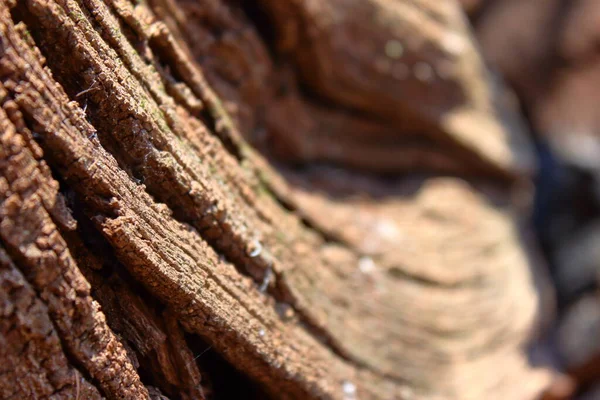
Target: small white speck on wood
x=349 y=390
x=256 y=249
x=366 y=265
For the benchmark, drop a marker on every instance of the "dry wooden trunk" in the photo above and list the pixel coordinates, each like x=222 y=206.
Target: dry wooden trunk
x=366 y=245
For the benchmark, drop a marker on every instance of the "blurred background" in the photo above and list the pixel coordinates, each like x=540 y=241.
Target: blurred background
x=548 y=53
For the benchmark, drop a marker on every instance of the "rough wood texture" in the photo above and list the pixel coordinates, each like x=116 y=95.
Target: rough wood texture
x=416 y=289
x=34 y=363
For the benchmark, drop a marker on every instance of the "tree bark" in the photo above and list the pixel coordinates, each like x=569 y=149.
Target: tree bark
x=287 y=199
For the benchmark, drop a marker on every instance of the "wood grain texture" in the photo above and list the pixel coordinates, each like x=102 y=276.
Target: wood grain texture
x=416 y=289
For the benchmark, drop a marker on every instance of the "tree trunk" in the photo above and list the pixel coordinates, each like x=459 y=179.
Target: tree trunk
x=248 y=199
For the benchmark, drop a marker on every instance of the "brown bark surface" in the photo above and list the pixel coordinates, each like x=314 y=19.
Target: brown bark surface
x=148 y=250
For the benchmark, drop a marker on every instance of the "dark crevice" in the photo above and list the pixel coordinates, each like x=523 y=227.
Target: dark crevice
x=261 y=22
x=172 y=75
x=113 y=273
x=225 y=381
x=213 y=114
